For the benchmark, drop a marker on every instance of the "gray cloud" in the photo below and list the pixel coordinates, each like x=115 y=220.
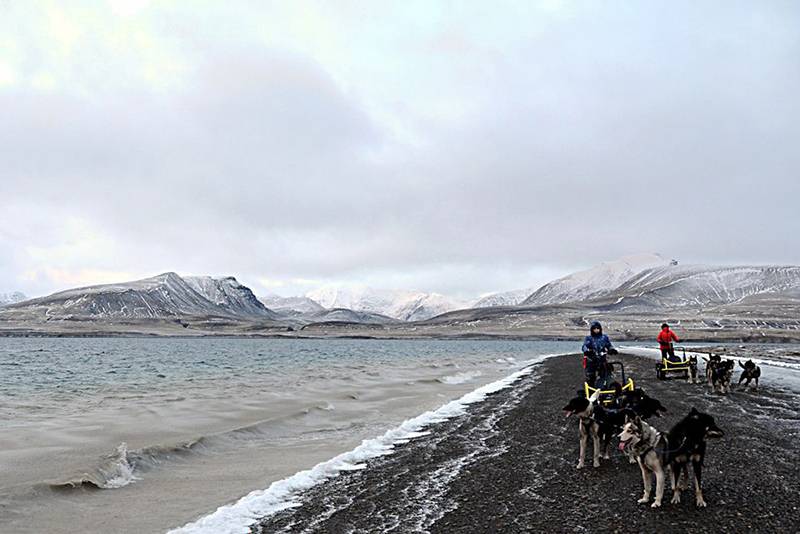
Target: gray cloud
x=615 y=130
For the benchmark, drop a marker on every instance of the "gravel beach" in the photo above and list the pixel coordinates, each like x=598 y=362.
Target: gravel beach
x=508 y=465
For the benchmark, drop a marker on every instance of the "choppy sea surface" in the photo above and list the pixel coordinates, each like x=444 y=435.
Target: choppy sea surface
x=143 y=435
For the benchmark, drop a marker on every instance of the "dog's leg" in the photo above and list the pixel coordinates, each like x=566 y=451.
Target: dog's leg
x=698 y=490
x=596 y=451
x=756 y=379
x=646 y=482
x=683 y=479
x=584 y=440
x=659 y=471
x=675 y=475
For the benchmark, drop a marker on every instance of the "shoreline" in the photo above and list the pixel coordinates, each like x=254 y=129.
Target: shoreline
x=517 y=473
x=747 y=340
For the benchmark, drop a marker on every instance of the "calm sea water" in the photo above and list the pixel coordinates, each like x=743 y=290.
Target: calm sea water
x=94 y=431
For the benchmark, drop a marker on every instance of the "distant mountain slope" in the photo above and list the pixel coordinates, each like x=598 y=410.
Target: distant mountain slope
x=291 y=305
x=596 y=282
x=398 y=304
x=701 y=286
x=228 y=294
x=11 y=298
x=345 y=315
x=505 y=298
x=164 y=296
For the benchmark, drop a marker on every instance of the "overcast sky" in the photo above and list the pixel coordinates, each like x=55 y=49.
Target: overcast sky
x=458 y=147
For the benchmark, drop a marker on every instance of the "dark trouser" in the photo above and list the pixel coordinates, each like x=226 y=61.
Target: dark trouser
x=596 y=375
x=669 y=353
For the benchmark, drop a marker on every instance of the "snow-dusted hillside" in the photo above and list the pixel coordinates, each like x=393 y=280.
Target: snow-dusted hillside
x=702 y=286
x=228 y=294
x=11 y=298
x=164 y=296
x=399 y=304
x=596 y=282
x=505 y=298
x=343 y=315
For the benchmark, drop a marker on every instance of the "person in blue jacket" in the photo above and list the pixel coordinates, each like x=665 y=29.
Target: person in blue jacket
x=595 y=347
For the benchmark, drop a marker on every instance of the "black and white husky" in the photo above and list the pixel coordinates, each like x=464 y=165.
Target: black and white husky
x=751 y=372
x=656 y=452
x=585 y=409
x=693 y=370
x=712 y=362
x=721 y=376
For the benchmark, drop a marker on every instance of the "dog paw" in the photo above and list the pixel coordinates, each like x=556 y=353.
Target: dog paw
x=606 y=457
x=701 y=503
x=676 y=499
x=656 y=504
x=596 y=463
x=643 y=500
x=581 y=465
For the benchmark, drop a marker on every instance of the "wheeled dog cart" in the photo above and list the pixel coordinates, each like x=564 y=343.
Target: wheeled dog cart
x=607 y=396
x=667 y=369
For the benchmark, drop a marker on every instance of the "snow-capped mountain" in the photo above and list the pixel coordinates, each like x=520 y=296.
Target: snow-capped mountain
x=164 y=296
x=228 y=294
x=291 y=305
x=596 y=282
x=11 y=298
x=504 y=298
x=702 y=286
x=395 y=303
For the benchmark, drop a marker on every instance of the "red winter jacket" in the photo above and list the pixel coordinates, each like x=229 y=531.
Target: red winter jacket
x=666 y=337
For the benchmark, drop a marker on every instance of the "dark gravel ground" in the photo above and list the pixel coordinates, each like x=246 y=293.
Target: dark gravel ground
x=508 y=465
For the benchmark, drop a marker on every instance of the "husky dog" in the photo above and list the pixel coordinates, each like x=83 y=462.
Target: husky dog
x=647 y=444
x=712 y=362
x=656 y=452
x=639 y=402
x=692 y=370
x=751 y=372
x=721 y=376
x=688 y=442
x=586 y=410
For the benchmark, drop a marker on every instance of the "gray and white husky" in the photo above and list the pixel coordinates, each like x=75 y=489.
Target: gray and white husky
x=646 y=444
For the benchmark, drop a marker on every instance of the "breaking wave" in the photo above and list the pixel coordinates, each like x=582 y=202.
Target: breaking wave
x=124 y=466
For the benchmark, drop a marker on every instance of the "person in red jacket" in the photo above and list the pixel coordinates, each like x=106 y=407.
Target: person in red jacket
x=665 y=339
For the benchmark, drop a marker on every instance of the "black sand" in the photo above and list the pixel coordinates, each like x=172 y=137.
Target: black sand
x=509 y=466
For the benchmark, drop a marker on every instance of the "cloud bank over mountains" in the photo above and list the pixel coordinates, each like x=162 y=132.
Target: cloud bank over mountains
x=458 y=150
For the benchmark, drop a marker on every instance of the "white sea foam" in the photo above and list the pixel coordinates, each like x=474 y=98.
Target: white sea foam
x=460 y=378
x=237 y=517
x=119 y=472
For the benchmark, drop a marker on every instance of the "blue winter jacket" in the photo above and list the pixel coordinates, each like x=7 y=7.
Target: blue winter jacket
x=596 y=345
